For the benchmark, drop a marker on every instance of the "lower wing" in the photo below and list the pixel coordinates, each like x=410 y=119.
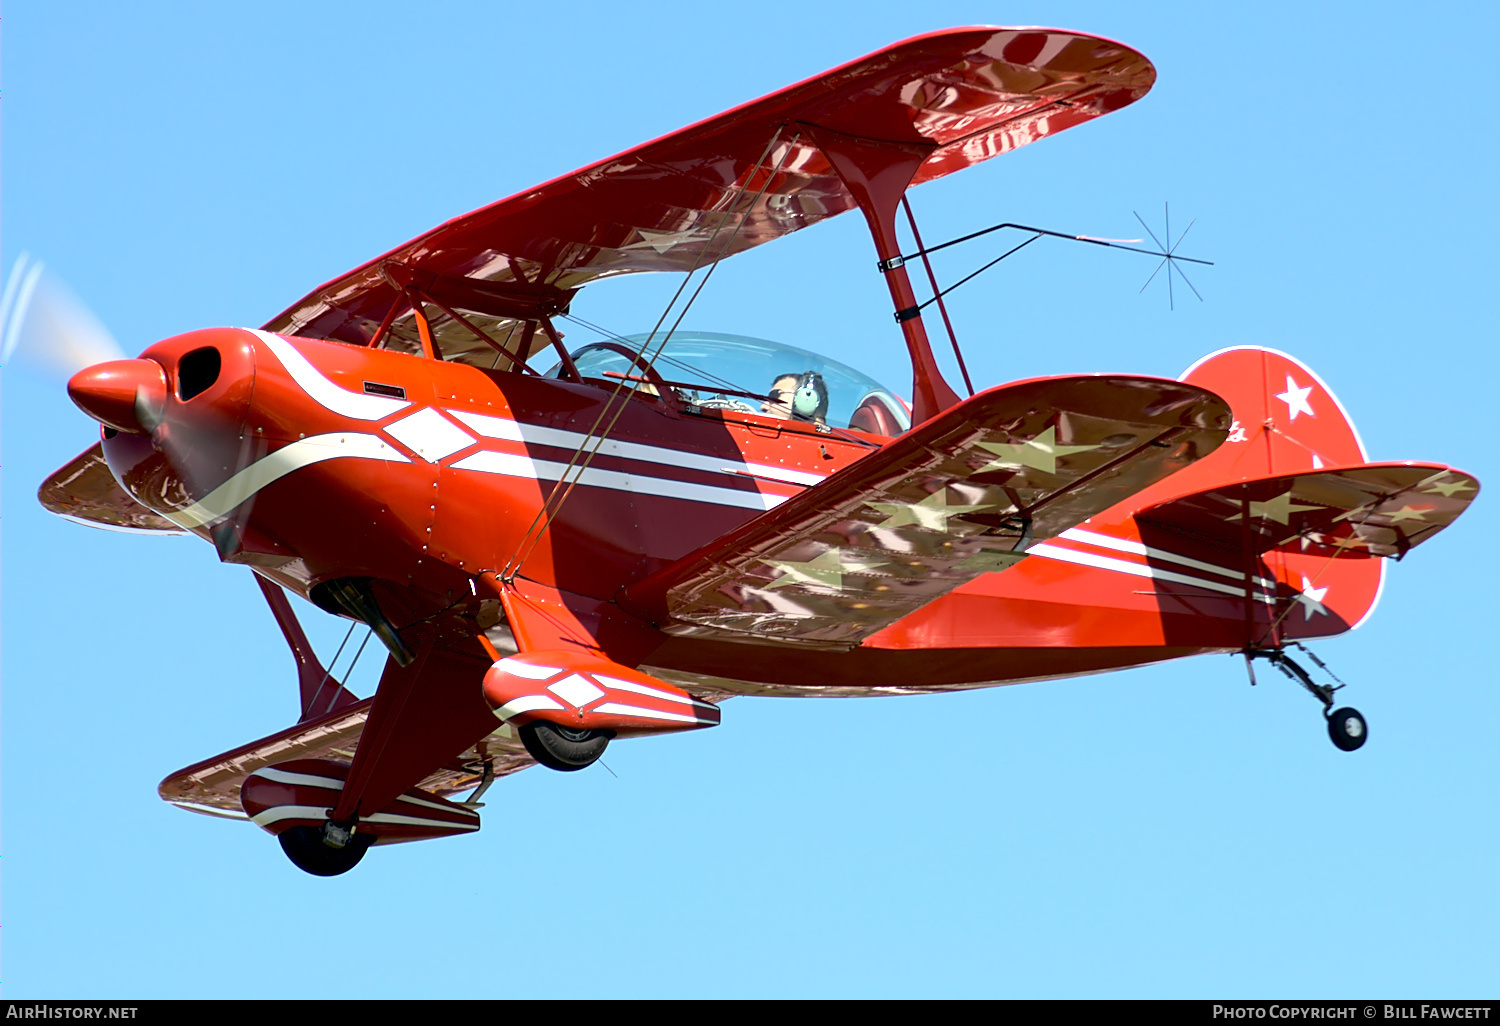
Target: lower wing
x=961 y=495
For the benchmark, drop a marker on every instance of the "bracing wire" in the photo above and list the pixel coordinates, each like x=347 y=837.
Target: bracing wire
x=328 y=673
x=349 y=675
x=615 y=410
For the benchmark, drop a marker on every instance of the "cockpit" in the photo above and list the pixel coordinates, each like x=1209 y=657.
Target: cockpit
x=737 y=374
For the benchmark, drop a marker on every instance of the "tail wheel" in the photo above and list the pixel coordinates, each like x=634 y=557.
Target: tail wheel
x=564 y=748
x=304 y=845
x=1347 y=728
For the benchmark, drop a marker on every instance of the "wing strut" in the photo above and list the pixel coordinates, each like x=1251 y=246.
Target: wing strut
x=876 y=174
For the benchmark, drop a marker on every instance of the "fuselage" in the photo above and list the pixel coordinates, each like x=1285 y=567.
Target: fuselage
x=318 y=462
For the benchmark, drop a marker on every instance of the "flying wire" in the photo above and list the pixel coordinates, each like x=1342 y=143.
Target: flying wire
x=564 y=487
x=710 y=376
x=328 y=673
x=1292 y=602
x=559 y=495
x=349 y=674
x=620 y=410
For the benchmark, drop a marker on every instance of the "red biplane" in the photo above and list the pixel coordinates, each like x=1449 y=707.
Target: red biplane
x=559 y=556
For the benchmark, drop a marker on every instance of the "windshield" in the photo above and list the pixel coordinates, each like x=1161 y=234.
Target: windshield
x=752 y=375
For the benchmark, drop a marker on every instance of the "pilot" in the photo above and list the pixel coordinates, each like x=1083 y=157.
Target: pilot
x=779 y=402
x=798 y=397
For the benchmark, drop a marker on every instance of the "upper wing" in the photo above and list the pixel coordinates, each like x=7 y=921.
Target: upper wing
x=731 y=182
x=1373 y=509
x=85 y=490
x=961 y=495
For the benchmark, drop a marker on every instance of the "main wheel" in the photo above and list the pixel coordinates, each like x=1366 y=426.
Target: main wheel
x=1347 y=728
x=304 y=846
x=564 y=748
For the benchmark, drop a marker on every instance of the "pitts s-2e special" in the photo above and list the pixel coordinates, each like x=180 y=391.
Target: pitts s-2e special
x=558 y=558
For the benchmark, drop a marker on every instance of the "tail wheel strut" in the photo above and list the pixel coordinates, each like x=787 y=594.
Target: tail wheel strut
x=1346 y=726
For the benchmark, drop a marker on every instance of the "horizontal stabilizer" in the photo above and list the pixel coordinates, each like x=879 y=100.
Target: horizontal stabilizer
x=961 y=495
x=1370 y=509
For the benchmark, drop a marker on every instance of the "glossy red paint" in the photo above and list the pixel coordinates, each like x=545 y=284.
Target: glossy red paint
x=621 y=553
x=299 y=793
x=126 y=395
x=583 y=691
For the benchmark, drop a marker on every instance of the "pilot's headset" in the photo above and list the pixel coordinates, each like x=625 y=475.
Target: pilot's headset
x=810 y=399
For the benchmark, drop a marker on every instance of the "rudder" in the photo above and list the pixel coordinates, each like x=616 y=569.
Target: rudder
x=1286 y=419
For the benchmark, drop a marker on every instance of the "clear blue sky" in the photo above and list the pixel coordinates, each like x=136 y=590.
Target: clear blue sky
x=1167 y=831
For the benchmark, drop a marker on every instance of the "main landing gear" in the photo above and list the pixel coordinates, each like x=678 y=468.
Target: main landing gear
x=326 y=850
x=564 y=748
x=1346 y=727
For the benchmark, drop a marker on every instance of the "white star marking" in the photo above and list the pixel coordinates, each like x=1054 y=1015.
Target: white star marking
x=1312 y=599
x=1407 y=513
x=828 y=570
x=1279 y=509
x=664 y=241
x=932 y=512
x=1039 y=453
x=1447 y=489
x=1296 y=399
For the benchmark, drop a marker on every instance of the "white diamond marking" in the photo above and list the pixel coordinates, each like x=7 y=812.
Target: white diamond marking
x=431 y=435
x=576 y=690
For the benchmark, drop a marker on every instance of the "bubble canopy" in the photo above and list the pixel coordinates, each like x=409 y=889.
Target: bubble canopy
x=711 y=370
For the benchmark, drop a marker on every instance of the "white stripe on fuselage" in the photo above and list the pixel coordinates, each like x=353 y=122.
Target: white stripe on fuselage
x=327 y=394
x=514 y=465
x=1105 y=541
x=301 y=453
x=1137 y=570
x=537 y=434
x=358 y=406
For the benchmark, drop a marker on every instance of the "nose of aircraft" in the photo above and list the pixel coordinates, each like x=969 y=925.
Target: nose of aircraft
x=127 y=395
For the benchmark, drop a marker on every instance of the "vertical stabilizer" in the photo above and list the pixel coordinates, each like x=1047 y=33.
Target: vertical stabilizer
x=1286 y=419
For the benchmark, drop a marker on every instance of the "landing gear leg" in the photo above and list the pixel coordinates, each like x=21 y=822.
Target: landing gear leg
x=1346 y=727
